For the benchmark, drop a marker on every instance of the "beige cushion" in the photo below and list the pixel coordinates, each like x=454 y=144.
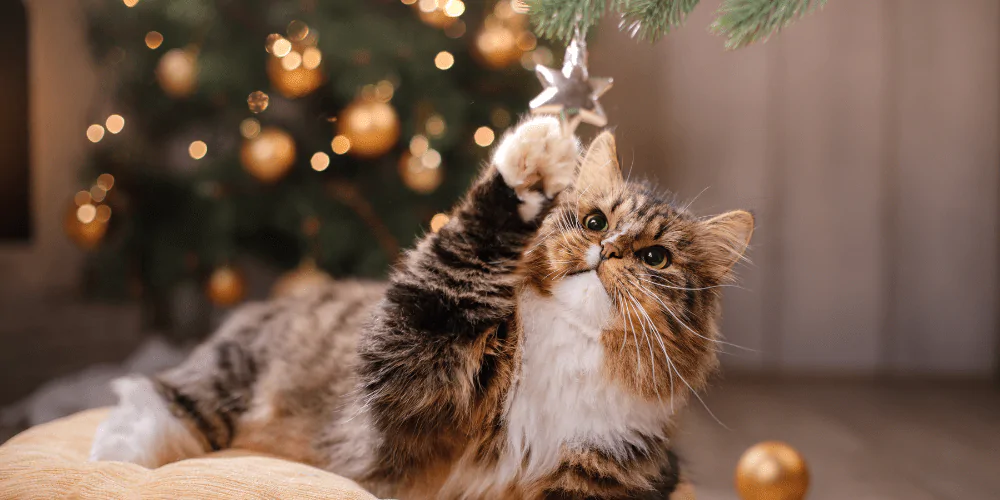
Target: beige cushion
x=50 y=461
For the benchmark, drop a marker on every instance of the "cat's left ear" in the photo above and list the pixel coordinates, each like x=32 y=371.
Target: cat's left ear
x=726 y=238
x=600 y=169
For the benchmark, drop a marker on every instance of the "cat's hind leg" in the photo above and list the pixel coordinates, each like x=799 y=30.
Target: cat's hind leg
x=141 y=429
x=188 y=410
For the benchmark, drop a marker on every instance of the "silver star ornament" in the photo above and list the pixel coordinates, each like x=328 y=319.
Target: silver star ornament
x=571 y=93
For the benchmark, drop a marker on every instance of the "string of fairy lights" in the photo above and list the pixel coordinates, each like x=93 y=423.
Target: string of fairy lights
x=368 y=127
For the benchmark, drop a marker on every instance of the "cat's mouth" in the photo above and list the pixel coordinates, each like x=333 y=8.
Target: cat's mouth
x=581 y=271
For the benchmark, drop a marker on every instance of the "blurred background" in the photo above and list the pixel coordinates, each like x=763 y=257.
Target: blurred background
x=163 y=161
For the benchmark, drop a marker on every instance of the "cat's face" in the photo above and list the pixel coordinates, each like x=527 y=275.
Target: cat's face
x=660 y=268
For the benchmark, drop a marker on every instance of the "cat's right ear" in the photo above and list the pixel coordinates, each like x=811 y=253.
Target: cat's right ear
x=600 y=168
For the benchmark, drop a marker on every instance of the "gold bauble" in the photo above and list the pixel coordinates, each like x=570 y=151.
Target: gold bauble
x=87 y=235
x=497 y=47
x=300 y=281
x=294 y=83
x=177 y=73
x=372 y=127
x=772 y=470
x=417 y=176
x=269 y=155
x=226 y=286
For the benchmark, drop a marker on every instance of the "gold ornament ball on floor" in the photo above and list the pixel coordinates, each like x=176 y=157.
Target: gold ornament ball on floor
x=772 y=470
x=88 y=232
x=177 y=73
x=226 y=286
x=294 y=83
x=418 y=176
x=269 y=155
x=301 y=280
x=497 y=46
x=371 y=126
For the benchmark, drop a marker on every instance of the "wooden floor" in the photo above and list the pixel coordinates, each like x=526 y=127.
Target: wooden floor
x=862 y=440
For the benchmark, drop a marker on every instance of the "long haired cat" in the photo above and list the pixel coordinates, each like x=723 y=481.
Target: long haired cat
x=538 y=346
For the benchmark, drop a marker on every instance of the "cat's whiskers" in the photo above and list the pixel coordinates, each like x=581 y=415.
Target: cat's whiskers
x=652 y=361
x=685 y=325
x=663 y=348
x=691 y=389
x=700 y=400
x=638 y=357
x=671 y=287
x=627 y=315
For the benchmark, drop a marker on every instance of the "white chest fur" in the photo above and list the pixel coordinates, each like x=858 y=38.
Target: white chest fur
x=563 y=399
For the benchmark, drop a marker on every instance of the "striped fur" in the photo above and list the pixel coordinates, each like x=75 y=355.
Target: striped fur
x=515 y=353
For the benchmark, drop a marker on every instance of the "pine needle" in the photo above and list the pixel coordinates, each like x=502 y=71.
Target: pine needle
x=742 y=22
x=651 y=19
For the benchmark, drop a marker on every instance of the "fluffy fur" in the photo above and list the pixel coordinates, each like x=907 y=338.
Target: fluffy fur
x=523 y=351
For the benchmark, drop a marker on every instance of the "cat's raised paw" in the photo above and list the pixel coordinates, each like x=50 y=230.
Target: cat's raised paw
x=537 y=156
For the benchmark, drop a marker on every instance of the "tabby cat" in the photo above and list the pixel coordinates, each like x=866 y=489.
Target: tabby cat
x=538 y=346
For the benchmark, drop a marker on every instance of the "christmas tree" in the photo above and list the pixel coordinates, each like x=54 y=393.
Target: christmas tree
x=308 y=133
x=286 y=130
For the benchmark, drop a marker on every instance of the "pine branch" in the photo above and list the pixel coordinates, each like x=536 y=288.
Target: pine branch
x=747 y=21
x=651 y=19
x=557 y=19
x=742 y=21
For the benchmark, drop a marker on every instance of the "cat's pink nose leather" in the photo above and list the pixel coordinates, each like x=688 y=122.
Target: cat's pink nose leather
x=610 y=249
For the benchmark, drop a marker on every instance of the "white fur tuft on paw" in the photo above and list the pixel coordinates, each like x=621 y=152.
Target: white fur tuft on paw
x=537 y=150
x=141 y=429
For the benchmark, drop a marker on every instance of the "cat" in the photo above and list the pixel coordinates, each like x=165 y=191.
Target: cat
x=539 y=345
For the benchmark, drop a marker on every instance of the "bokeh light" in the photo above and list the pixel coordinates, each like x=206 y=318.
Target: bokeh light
x=198 y=150
x=97 y=193
x=431 y=159
x=311 y=58
x=103 y=213
x=81 y=198
x=384 y=91
x=484 y=136
x=95 y=133
x=444 y=60
x=438 y=221
x=86 y=213
x=106 y=181
x=249 y=128
x=292 y=61
x=115 y=123
x=297 y=30
x=340 y=144
x=258 y=101
x=454 y=8
x=419 y=145
x=154 y=39
x=320 y=161
x=281 y=47
x=500 y=117
x=435 y=125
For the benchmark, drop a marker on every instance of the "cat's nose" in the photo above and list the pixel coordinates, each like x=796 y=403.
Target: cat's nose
x=610 y=249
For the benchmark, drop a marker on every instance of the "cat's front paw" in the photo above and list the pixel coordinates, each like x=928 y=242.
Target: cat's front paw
x=537 y=156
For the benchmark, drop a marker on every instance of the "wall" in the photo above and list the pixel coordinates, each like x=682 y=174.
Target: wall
x=865 y=138
x=46 y=328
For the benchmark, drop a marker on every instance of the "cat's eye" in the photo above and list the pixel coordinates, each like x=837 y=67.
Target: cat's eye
x=656 y=257
x=596 y=222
